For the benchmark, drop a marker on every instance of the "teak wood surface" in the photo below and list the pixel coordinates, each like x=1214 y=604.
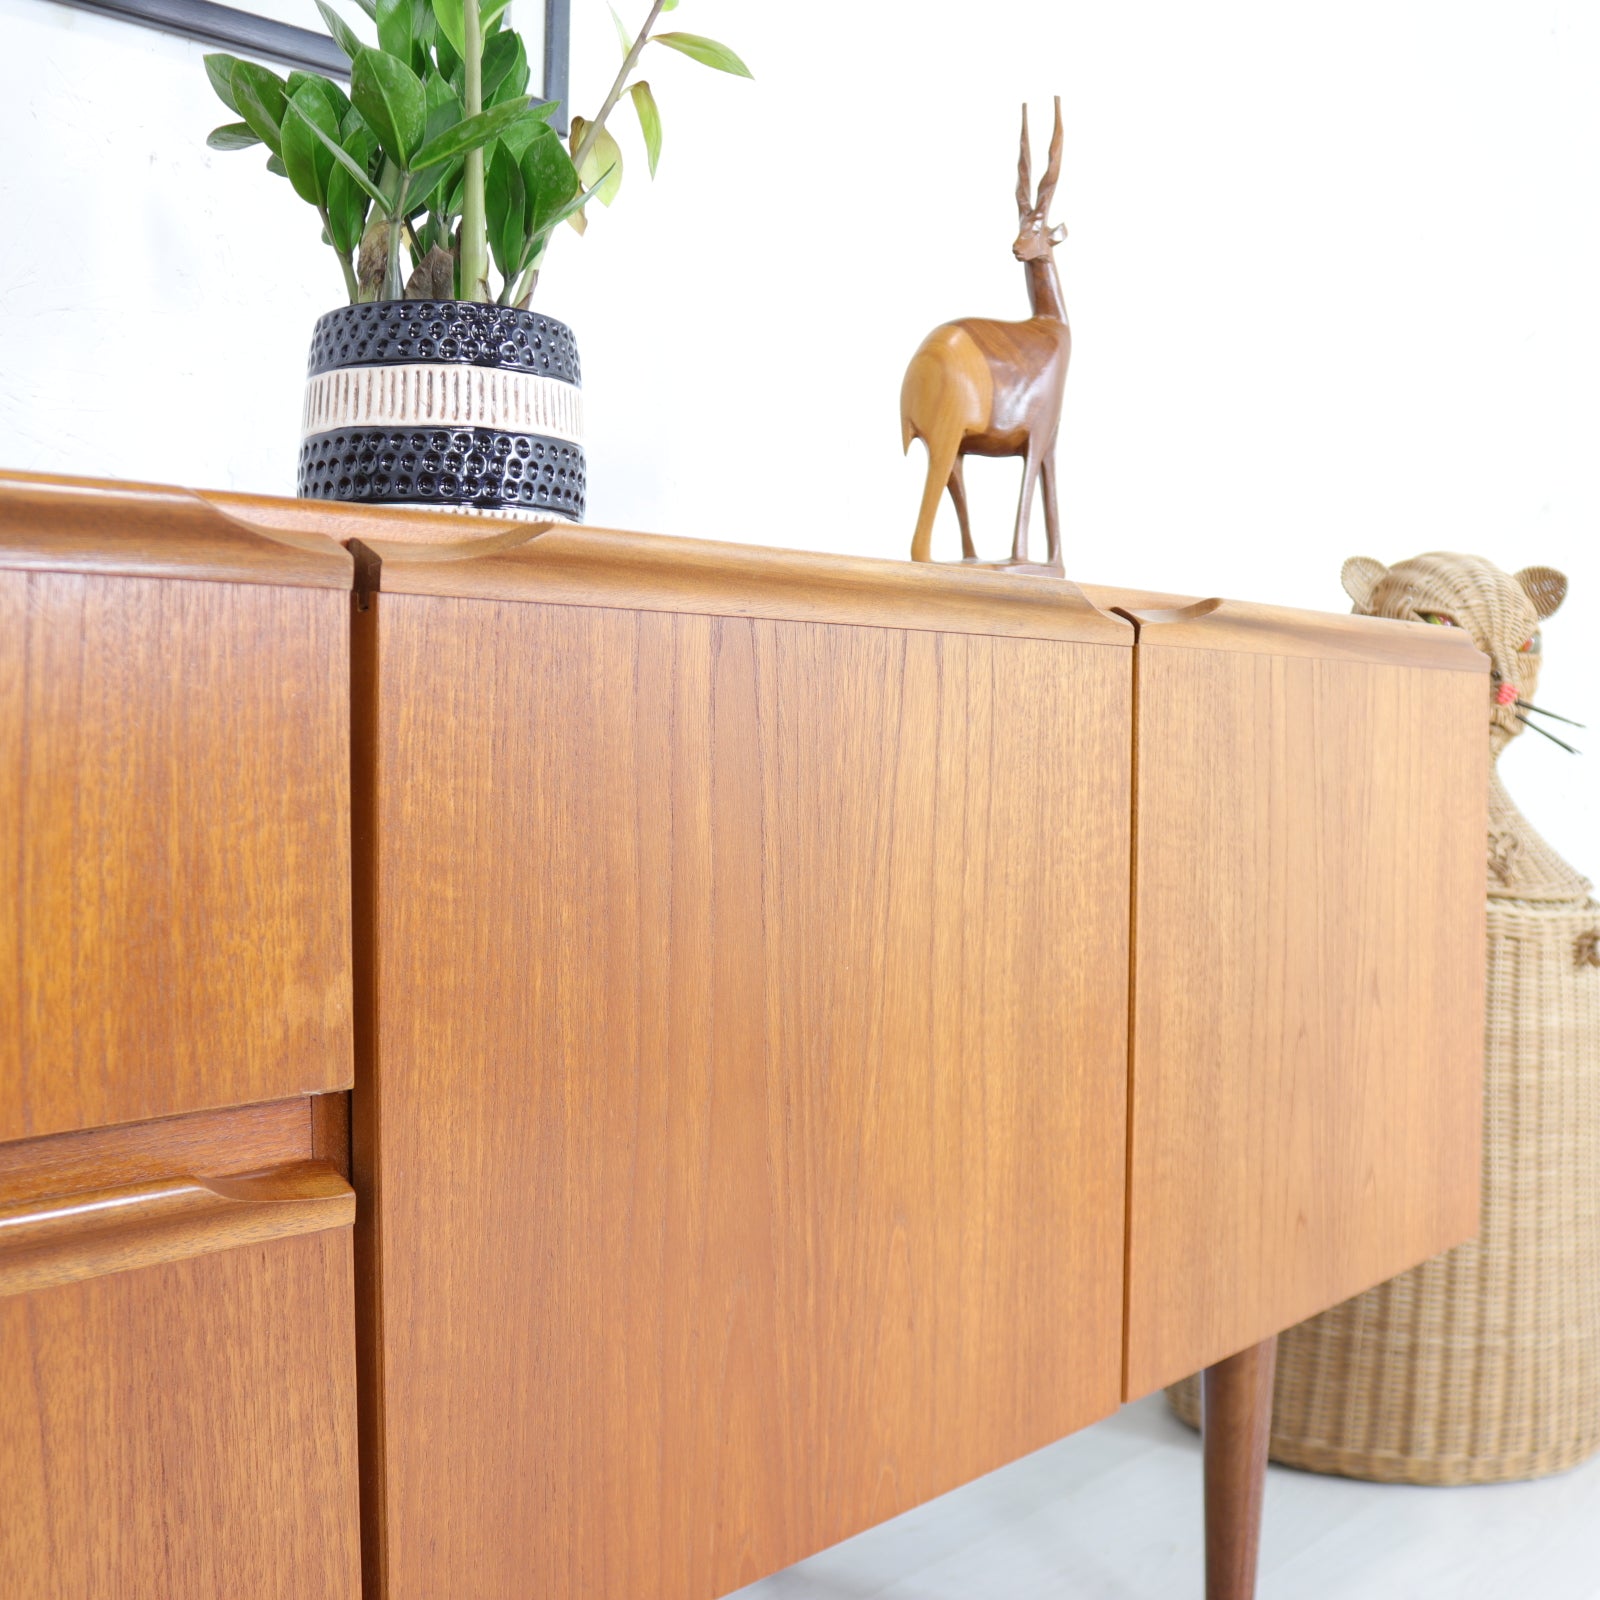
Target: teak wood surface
x=1309 y=956
x=174 y=819
x=183 y=1430
x=742 y=1116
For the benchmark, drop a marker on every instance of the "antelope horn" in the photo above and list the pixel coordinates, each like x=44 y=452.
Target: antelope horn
x=1024 y=171
x=1052 y=171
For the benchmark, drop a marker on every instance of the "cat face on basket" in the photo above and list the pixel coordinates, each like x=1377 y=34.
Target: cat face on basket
x=1501 y=610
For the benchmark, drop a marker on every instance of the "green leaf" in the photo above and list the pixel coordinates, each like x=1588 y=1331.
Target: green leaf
x=472 y=133
x=444 y=112
x=505 y=209
x=451 y=26
x=357 y=137
x=505 y=69
x=391 y=97
x=275 y=164
x=343 y=34
x=706 y=51
x=371 y=8
x=260 y=97
x=572 y=210
x=622 y=33
x=306 y=157
x=489 y=13
x=528 y=127
x=347 y=161
x=424 y=30
x=649 y=121
x=454 y=192
x=232 y=136
x=337 y=101
x=550 y=180
x=394 y=28
x=601 y=168
x=219 y=68
x=347 y=210
x=444 y=109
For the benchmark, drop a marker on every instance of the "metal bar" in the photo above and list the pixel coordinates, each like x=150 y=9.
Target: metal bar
x=231 y=29
x=557 y=57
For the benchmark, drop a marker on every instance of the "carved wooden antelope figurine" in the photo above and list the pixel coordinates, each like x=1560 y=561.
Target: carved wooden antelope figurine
x=987 y=388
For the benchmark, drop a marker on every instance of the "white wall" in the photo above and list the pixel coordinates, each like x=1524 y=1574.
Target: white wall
x=1332 y=272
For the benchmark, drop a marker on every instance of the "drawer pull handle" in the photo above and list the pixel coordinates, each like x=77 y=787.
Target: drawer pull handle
x=69 y=1237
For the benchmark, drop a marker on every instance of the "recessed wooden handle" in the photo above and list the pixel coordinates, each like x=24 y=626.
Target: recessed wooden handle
x=73 y=1236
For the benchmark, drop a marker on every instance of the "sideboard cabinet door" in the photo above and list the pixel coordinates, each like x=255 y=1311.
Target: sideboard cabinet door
x=747 y=1088
x=1309 y=948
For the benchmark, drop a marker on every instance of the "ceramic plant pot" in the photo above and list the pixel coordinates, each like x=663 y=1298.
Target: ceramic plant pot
x=445 y=405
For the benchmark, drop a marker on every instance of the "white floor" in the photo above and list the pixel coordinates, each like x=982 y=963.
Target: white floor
x=1113 y=1513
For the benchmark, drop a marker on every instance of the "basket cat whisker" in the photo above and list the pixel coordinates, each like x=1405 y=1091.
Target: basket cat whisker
x=1547 y=733
x=1528 y=705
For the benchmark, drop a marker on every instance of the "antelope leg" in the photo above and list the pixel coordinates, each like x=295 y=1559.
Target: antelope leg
x=1052 y=527
x=1030 y=477
x=958 y=494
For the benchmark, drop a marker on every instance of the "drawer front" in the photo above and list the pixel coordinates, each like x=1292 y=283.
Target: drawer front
x=183 y=1429
x=747 y=1124
x=174 y=857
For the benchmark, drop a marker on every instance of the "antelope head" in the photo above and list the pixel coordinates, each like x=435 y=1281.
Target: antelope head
x=1036 y=237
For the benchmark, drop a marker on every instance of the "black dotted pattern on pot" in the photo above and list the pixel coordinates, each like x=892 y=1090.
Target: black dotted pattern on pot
x=482 y=467
x=391 y=332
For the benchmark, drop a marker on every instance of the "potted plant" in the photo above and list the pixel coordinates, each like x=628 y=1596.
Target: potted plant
x=436 y=174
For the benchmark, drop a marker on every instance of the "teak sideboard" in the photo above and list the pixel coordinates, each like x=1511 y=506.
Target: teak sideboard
x=546 y=1061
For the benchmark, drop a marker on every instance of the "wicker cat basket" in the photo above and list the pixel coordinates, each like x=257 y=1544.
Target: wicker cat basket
x=1484 y=1363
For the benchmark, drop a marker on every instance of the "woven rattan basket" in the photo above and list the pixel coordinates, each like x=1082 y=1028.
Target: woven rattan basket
x=1484 y=1363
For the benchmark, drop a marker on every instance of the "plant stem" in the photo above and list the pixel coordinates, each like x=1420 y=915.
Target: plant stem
x=352 y=288
x=394 y=286
x=592 y=132
x=526 y=284
x=474 y=220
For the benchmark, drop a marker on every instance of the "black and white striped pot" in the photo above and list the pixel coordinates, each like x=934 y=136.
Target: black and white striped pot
x=447 y=406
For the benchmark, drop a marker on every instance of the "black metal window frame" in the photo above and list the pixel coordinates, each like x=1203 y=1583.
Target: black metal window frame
x=249 y=35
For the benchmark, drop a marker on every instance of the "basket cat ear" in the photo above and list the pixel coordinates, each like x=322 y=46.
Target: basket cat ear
x=1360 y=575
x=1546 y=587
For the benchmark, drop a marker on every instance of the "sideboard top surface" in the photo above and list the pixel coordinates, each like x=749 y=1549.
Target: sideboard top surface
x=144 y=530
x=570 y=565
x=1250 y=628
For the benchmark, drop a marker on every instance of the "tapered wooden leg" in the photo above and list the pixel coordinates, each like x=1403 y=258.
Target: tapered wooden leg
x=1236 y=1423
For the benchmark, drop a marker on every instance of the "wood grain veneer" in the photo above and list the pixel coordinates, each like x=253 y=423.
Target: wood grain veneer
x=1307 y=1025
x=184 y=1430
x=741 y=1109
x=174 y=833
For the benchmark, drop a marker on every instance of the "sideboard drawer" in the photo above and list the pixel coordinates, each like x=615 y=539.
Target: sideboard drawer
x=174 y=812
x=185 y=1428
